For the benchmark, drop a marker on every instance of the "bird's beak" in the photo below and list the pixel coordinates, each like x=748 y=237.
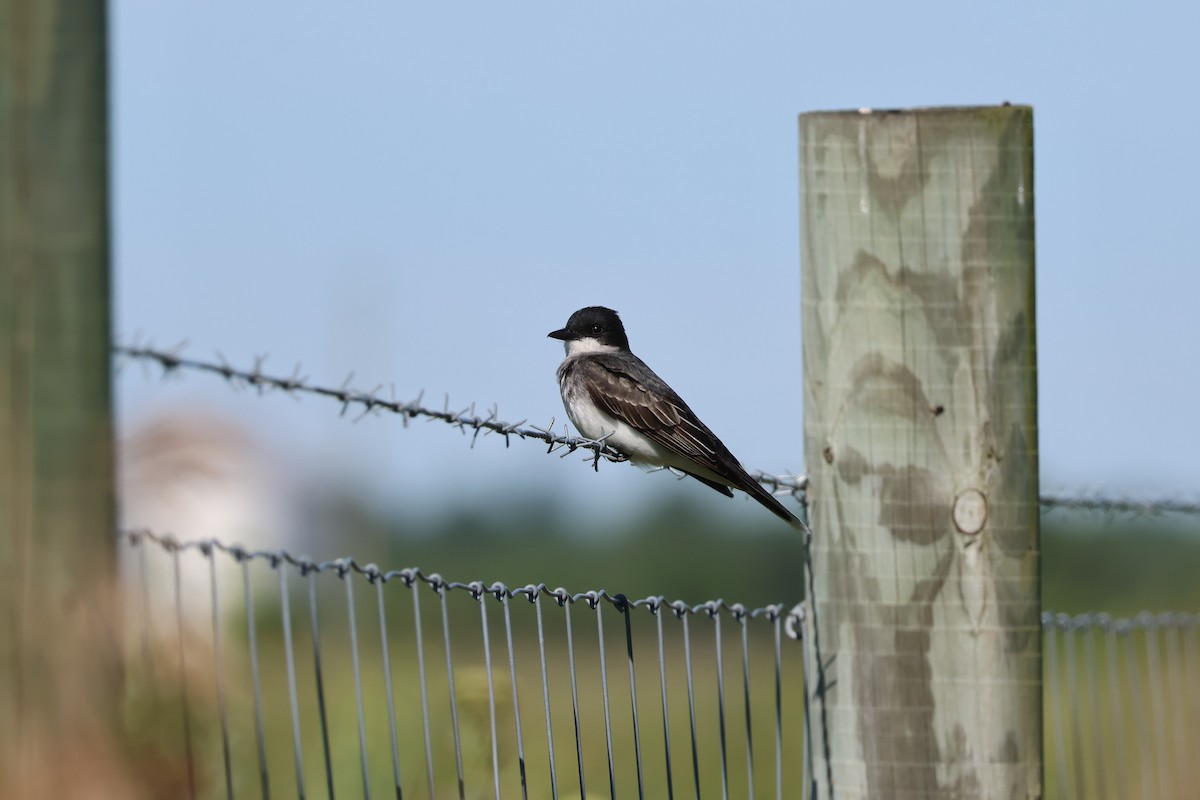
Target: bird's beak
x=562 y=334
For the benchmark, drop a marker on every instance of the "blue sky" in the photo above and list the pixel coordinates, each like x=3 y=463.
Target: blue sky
x=418 y=193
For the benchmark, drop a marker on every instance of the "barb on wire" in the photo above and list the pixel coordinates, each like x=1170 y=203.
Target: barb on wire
x=368 y=402
x=171 y=361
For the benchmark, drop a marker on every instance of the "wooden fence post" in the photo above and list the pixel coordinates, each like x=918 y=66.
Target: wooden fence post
x=921 y=443
x=59 y=673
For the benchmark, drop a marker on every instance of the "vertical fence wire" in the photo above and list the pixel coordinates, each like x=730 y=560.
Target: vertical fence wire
x=419 y=635
x=440 y=587
x=293 y=697
x=658 y=610
x=1113 y=669
x=144 y=593
x=260 y=736
x=478 y=594
x=389 y=694
x=319 y=678
x=1177 y=709
x=512 y=679
x=1157 y=710
x=566 y=606
x=806 y=752
x=691 y=693
x=536 y=599
x=818 y=661
x=594 y=602
x=1191 y=671
x=1077 y=726
x=352 y=620
x=623 y=605
x=799 y=619
x=720 y=664
x=740 y=615
x=189 y=753
x=1101 y=780
x=1143 y=733
x=219 y=670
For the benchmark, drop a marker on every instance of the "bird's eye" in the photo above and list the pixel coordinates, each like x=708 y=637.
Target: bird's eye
x=597 y=329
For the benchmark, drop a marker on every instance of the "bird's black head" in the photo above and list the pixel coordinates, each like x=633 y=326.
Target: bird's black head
x=596 y=323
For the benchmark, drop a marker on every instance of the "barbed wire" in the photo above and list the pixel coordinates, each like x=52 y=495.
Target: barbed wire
x=467 y=419
x=372 y=402
x=1144 y=620
x=1154 y=507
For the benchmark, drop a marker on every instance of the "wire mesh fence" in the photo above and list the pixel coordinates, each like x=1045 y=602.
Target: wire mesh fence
x=1122 y=705
x=343 y=679
x=336 y=678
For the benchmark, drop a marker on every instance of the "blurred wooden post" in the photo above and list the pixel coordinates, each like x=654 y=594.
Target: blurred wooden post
x=921 y=444
x=59 y=678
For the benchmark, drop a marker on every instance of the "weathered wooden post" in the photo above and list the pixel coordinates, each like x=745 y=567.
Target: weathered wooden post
x=59 y=679
x=921 y=444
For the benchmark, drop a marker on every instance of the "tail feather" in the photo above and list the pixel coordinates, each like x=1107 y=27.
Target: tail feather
x=740 y=479
x=769 y=501
x=720 y=487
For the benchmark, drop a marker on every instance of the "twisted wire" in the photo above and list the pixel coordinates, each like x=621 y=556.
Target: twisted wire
x=1152 y=507
x=1119 y=625
x=465 y=419
x=411 y=575
x=171 y=362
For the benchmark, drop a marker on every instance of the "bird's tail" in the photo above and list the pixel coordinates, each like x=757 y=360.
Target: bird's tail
x=769 y=501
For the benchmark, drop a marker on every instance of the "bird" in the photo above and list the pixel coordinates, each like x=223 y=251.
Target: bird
x=612 y=395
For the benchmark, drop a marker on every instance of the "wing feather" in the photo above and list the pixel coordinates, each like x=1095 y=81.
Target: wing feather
x=653 y=408
x=648 y=404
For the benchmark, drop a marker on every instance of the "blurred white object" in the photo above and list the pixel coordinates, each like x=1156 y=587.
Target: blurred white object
x=193 y=475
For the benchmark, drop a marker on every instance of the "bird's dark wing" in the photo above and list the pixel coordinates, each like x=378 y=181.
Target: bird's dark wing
x=645 y=402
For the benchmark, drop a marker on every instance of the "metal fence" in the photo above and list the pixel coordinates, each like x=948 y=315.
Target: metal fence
x=405 y=683
x=1122 y=705
x=362 y=402
x=345 y=679
x=339 y=678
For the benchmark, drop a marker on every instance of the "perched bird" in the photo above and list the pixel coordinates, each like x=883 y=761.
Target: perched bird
x=611 y=394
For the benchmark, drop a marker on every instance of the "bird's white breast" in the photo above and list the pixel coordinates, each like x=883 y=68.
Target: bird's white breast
x=594 y=423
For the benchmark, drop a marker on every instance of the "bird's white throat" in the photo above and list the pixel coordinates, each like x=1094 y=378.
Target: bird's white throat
x=588 y=344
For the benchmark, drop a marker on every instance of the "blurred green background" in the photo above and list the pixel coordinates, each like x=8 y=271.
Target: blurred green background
x=1092 y=561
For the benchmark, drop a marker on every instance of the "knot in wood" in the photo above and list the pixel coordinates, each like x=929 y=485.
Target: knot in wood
x=970 y=511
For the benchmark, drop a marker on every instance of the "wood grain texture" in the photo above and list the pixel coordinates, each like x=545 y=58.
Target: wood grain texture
x=921 y=446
